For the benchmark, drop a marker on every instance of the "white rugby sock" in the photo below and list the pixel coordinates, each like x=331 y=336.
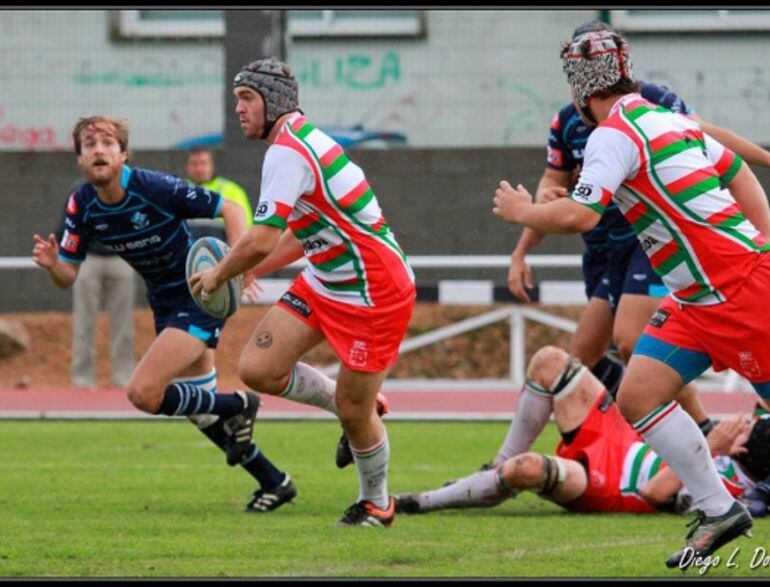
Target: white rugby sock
x=676 y=438
x=482 y=489
x=372 y=466
x=308 y=385
x=532 y=413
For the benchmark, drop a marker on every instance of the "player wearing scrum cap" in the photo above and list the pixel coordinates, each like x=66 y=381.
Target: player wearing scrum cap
x=357 y=291
x=141 y=215
x=702 y=219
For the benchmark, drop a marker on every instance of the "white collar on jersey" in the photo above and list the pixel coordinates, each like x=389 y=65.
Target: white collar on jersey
x=623 y=100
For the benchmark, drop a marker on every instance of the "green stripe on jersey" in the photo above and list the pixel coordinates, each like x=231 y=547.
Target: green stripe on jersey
x=731 y=172
x=335 y=166
x=310 y=229
x=273 y=220
x=338 y=261
x=361 y=202
x=697 y=190
x=672 y=149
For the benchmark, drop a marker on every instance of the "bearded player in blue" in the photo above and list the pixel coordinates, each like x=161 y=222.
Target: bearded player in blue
x=141 y=215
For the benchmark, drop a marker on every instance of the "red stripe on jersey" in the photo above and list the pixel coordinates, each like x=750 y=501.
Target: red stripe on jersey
x=329 y=157
x=304 y=222
x=723 y=215
x=691 y=179
x=328 y=254
x=283 y=210
x=606 y=197
x=298 y=123
x=354 y=194
x=636 y=212
x=379 y=224
x=725 y=161
x=760 y=240
x=663 y=253
x=685 y=293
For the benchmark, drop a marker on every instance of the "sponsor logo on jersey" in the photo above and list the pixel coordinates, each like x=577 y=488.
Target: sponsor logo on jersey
x=139 y=220
x=648 y=242
x=264 y=210
x=583 y=191
x=659 y=318
x=68 y=223
x=554 y=156
x=359 y=355
x=639 y=276
x=69 y=242
x=72 y=205
x=102 y=226
x=297 y=304
x=749 y=364
x=577 y=154
x=311 y=245
x=130 y=246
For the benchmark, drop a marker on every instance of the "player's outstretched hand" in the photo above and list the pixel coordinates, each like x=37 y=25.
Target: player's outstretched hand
x=519 y=277
x=46 y=252
x=508 y=200
x=729 y=436
x=204 y=282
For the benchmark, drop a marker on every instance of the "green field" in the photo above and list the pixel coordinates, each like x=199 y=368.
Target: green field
x=155 y=499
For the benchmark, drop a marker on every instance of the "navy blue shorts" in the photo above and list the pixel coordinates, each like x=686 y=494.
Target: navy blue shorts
x=594 y=268
x=629 y=272
x=178 y=310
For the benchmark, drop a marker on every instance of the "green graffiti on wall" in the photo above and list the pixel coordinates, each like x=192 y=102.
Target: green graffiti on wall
x=356 y=71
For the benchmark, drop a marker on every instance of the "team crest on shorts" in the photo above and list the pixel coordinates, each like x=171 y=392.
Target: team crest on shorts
x=659 y=318
x=749 y=364
x=358 y=354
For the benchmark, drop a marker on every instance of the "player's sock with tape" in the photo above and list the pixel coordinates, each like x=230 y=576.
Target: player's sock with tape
x=676 y=438
x=186 y=399
x=532 y=413
x=372 y=466
x=257 y=464
x=482 y=489
x=308 y=385
x=610 y=373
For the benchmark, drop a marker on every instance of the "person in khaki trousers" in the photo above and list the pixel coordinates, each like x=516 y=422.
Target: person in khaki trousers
x=105 y=281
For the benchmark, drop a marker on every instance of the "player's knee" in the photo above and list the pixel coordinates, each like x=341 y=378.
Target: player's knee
x=353 y=414
x=144 y=396
x=546 y=364
x=626 y=400
x=525 y=470
x=262 y=377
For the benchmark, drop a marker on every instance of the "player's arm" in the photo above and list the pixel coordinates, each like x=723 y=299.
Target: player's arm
x=661 y=489
x=610 y=157
x=750 y=152
x=46 y=255
x=251 y=249
x=235 y=220
x=742 y=183
x=553 y=184
x=288 y=250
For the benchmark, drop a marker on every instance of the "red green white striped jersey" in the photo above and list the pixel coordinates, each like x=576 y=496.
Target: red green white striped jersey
x=669 y=180
x=641 y=464
x=311 y=185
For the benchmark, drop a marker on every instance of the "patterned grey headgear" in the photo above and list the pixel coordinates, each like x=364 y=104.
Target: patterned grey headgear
x=595 y=61
x=273 y=80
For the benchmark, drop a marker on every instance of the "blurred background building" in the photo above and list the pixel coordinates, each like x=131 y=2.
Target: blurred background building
x=437 y=105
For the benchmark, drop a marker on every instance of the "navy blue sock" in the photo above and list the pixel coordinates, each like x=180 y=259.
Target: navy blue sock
x=185 y=399
x=258 y=466
x=610 y=373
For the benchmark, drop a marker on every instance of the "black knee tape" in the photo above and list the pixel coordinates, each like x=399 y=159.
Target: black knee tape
x=610 y=373
x=571 y=369
x=552 y=475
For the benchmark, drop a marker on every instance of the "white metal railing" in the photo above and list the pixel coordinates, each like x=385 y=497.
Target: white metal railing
x=517 y=315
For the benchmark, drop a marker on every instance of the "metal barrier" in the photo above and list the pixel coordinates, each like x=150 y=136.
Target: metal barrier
x=517 y=315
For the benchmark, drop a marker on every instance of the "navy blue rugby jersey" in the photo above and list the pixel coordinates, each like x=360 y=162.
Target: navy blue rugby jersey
x=147 y=228
x=567 y=140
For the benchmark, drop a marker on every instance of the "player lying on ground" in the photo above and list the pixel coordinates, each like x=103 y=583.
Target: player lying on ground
x=601 y=463
x=357 y=291
x=140 y=214
x=622 y=289
x=702 y=218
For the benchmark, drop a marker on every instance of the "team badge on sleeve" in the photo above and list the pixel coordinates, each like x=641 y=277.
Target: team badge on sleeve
x=554 y=156
x=69 y=242
x=72 y=205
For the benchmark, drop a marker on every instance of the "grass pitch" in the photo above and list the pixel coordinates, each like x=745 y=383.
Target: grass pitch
x=156 y=499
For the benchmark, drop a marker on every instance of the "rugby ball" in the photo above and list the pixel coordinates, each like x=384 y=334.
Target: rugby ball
x=205 y=253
